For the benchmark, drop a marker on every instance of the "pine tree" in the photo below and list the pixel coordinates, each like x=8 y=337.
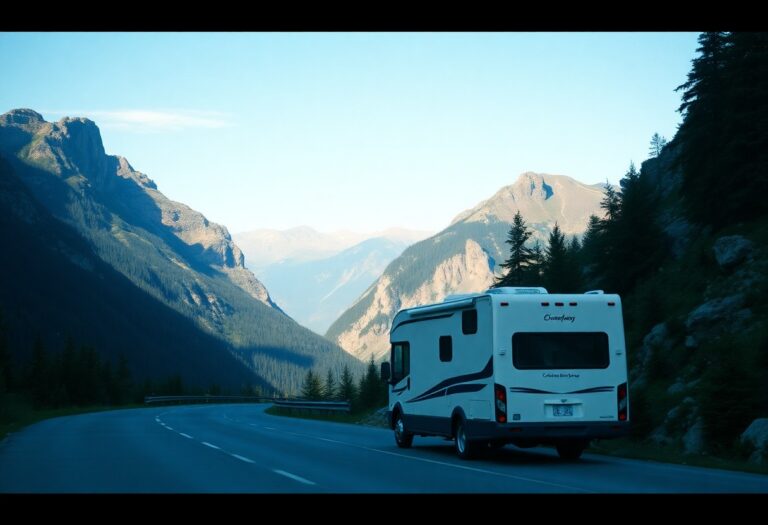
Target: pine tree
x=123 y=383
x=705 y=107
x=556 y=271
x=371 y=387
x=6 y=376
x=311 y=389
x=744 y=148
x=39 y=374
x=520 y=257
x=347 y=391
x=536 y=268
x=611 y=202
x=657 y=144
x=329 y=389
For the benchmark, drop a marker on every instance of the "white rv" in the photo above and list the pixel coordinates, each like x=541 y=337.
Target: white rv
x=510 y=365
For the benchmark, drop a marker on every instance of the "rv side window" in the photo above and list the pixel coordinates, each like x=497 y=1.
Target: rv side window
x=560 y=350
x=446 y=348
x=401 y=361
x=469 y=322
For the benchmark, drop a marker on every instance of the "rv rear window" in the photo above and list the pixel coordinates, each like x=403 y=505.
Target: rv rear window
x=446 y=348
x=559 y=351
x=469 y=322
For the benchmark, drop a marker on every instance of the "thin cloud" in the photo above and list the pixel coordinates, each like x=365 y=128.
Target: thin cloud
x=152 y=121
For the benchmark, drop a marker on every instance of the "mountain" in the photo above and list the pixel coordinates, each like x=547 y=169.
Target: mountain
x=315 y=293
x=464 y=256
x=54 y=286
x=165 y=248
x=265 y=247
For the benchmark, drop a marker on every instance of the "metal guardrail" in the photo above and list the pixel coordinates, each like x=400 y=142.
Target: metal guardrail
x=297 y=404
x=324 y=406
x=151 y=400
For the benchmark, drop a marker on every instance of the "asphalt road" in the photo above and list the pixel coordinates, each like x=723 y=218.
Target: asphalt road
x=239 y=448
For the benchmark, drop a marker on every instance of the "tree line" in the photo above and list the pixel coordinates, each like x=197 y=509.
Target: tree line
x=78 y=376
x=367 y=393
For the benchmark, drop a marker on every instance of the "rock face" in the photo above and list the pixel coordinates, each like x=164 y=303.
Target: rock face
x=464 y=257
x=716 y=317
x=164 y=247
x=756 y=436
x=732 y=250
x=465 y=272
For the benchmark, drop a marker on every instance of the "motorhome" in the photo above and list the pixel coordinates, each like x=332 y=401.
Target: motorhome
x=510 y=365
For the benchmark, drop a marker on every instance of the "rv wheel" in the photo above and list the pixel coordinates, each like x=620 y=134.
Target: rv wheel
x=403 y=438
x=465 y=448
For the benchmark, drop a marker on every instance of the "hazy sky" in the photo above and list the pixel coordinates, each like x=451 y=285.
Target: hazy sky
x=355 y=131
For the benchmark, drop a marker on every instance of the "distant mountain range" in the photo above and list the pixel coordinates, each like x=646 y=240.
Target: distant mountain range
x=170 y=252
x=464 y=257
x=315 y=276
x=265 y=247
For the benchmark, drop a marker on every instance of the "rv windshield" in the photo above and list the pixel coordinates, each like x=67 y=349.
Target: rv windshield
x=549 y=351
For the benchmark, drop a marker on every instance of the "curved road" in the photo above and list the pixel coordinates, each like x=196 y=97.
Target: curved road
x=239 y=448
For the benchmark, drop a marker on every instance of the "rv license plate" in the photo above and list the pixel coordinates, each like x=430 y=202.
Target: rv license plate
x=563 y=410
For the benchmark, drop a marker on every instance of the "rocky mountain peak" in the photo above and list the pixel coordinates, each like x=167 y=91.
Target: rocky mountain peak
x=542 y=199
x=27 y=119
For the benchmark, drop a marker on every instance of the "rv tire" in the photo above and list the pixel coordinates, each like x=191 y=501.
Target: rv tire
x=403 y=438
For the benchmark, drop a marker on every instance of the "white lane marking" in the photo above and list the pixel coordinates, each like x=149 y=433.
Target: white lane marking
x=209 y=445
x=185 y=435
x=157 y=418
x=462 y=467
x=242 y=458
x=268 y=428
x=482 y=471
x=169 y=428
x=293 y=477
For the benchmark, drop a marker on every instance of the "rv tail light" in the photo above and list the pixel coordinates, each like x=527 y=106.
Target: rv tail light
x=623 y=401
x=611 y=303
x=500 y=395
x=545 y=304
x=504 y=304
x=558 y=304
x=572 y=304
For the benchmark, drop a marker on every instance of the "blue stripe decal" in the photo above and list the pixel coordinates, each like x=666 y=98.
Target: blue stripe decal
x=438 y=389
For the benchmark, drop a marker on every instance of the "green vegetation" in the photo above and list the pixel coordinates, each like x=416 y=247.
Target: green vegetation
x=370 y=393
x=629 y=448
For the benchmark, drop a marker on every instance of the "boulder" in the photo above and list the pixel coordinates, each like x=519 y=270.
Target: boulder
x=693 y=440
x=714 y=311
x=756 y=435
x=732 y=250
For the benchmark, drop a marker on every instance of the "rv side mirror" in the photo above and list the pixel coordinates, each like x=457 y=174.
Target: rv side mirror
x=385 y=372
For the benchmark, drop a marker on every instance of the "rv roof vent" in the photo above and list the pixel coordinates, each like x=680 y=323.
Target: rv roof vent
x=516 y=290
x=458 y=297
x=594 y=292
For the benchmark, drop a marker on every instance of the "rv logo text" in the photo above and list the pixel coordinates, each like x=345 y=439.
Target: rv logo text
x=562 y=318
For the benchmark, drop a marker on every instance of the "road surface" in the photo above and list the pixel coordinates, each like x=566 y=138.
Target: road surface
x=239 y=448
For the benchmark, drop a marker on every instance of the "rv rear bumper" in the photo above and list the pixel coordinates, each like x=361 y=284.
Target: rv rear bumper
x=546 y=432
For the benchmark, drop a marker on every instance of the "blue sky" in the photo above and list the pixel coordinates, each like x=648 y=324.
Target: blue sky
x=355 y=131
